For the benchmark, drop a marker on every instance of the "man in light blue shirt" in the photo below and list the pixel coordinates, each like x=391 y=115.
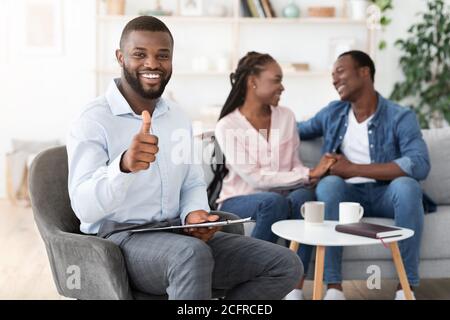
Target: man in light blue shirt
x=125 y=169
x=97 y=186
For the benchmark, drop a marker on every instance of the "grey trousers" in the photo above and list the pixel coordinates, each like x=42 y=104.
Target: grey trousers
x=185 y=267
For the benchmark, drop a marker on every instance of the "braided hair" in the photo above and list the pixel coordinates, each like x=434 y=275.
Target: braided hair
x=251 y=64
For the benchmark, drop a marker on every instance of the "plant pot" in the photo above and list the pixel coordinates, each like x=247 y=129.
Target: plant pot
x=115 y=7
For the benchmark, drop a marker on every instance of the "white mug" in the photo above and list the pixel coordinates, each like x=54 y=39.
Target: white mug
x=313 y=212
x=350 y=212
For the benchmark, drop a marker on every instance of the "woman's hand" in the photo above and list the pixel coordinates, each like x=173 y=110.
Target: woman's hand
x=322 y=167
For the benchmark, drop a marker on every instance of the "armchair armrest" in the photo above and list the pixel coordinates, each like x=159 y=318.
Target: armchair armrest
x=234 y=228
x=98 y=262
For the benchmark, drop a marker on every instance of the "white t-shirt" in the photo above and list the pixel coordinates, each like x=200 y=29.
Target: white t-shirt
x=355 y=145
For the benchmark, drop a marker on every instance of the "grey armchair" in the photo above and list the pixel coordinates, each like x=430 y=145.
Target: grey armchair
x=102 y=267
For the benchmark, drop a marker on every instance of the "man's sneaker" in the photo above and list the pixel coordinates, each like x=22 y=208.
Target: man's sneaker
x=334 y=294
x=296 y=294
x=400 y=295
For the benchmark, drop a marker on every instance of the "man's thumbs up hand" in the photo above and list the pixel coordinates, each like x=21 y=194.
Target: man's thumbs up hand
x=146 y=122
x=143 y=148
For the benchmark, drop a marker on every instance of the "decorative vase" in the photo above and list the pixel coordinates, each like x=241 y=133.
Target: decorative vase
x=357 y=9
x=291 y=10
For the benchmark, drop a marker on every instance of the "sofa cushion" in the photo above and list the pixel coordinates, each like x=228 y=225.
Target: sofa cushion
x=437 y=184
x=310 y=152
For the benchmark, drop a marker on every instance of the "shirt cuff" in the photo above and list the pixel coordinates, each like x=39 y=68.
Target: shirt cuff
x=119 y=180
x=304 y=172
x=307 y=172
x=189 y=209
x=405 y=164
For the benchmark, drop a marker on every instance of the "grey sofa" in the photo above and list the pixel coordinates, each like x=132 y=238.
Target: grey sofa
x=435 y=248
x=101 y=265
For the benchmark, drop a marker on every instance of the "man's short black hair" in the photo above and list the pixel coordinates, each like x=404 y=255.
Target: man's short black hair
x=363 y=60
x=144 y=23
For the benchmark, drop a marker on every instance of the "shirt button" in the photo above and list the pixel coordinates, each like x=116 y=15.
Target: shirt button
x=370 y=131
x=334 y=150
x=371 y=145
x=340 y=137
x=345 y=124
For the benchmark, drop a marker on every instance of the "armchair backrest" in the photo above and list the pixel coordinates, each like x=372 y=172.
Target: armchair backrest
x=49 y=193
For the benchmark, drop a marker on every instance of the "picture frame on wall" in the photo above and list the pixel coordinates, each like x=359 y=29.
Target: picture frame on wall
x=40 y=28
x=190 y=7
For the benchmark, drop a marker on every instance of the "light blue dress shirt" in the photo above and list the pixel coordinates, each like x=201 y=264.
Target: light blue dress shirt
x=172 y=187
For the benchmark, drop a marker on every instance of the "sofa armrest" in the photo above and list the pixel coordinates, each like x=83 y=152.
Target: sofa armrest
x=98 y=262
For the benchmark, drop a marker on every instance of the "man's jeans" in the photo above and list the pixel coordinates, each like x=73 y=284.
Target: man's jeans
x=401 y=200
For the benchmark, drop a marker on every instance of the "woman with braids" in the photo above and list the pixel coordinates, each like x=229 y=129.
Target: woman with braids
x=261 y=175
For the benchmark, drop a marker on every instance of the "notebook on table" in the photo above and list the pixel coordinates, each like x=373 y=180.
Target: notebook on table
x=370 y=230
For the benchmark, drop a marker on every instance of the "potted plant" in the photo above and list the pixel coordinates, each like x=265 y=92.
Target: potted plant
x=425 y=63
x=383 y=5
x=374 y=11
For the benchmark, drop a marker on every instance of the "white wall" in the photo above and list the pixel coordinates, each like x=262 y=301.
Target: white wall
x=39 y=93
x=403 y=15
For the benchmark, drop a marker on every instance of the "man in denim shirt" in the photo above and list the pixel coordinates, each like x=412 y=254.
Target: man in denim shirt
x=380 y=155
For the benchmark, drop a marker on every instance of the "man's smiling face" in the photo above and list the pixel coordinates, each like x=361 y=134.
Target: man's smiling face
x=347 y=78
x=146 y=61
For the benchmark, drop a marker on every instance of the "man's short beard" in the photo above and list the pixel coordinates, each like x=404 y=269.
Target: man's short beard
x=135 y=84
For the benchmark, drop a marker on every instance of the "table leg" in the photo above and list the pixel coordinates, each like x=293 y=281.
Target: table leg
x=318 y=273
x=294 y=246
x=400 y=269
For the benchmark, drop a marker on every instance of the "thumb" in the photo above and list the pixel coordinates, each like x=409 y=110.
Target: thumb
x=146 y=122
x=213 y=217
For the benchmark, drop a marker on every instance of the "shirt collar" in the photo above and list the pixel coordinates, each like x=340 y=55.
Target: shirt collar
x=119 y=105
x=380 y=106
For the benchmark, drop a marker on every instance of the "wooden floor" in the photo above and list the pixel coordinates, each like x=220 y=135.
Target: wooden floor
x=25 y=272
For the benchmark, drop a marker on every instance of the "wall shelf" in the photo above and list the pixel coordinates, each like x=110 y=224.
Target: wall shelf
x=230 y=20
x=204 y=40
x=188 y=73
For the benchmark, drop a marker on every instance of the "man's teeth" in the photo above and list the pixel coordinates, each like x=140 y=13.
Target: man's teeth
x=341 y=88
x=151 y=76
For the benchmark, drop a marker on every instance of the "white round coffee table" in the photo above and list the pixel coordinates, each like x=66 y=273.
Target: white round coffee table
x=324 y=235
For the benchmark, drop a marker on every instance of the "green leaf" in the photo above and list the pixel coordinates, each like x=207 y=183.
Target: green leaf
x=425 y=63
x=384 y=21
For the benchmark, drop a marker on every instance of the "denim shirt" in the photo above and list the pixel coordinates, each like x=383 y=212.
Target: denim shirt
x=394 y=136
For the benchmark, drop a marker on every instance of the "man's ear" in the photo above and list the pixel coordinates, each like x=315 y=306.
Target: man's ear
x=119 y=57
x=365 y=72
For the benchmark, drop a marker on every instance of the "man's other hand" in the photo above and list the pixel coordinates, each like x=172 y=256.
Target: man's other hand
x=342 y=167
x=200 y=216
